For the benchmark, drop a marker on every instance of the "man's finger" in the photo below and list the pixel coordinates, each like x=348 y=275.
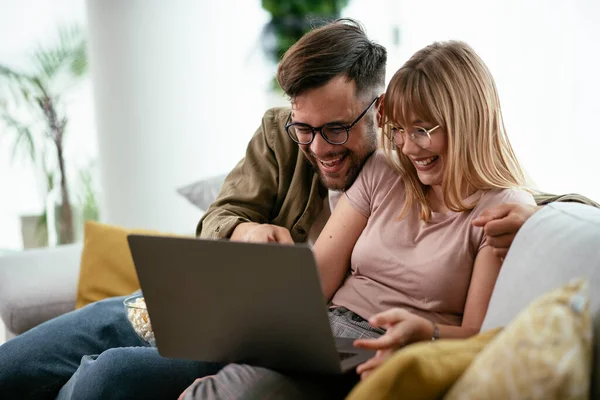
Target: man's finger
x=255 y=237
x=501 y=241
x=483 y=219
x=508 y=225
x=283 y=236
x=490 y=214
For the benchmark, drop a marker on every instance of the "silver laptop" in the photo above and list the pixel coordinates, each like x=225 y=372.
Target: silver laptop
x=224 y=301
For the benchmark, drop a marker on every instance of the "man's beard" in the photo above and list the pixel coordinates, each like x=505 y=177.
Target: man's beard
x=356 y=160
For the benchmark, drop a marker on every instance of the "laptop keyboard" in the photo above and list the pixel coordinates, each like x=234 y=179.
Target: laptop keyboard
x=344 y=356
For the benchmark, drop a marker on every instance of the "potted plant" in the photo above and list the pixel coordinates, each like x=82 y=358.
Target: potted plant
x=291 y=19
x=33 y=107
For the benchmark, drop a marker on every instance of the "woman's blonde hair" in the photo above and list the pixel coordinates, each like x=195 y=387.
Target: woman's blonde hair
x=447 y=84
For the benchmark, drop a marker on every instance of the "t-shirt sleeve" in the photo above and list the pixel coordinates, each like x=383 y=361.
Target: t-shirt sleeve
x=503 y=196
x=360 y=194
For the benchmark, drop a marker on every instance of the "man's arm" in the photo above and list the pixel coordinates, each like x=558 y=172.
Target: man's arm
x=502 y=222
x=249 y=191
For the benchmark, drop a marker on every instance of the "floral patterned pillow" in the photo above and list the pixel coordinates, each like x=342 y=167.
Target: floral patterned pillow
x=545 y=353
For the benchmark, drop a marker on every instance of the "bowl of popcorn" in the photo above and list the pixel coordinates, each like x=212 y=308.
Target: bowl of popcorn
x=137 y=314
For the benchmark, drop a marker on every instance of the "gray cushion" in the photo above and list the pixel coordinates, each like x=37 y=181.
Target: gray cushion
x=557 y=244
x=37 y=285
x=202 y=193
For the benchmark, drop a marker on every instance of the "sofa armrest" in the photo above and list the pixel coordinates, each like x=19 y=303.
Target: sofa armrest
x=37 y=285
x=557 y=244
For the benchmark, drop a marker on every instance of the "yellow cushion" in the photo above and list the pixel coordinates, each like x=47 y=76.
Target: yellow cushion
x=545 y=353
x=106 y=269
x=423 y=370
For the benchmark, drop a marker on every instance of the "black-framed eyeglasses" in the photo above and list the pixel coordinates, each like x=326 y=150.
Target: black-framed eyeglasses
x=333 y=133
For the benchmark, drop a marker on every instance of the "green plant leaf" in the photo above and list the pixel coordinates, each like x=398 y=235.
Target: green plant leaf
x=16 y=87
x=68 y=55
x=291 y=19
x=87 y=199
x=24 y=141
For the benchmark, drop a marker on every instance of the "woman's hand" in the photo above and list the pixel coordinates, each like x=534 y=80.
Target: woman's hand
x=403 y=327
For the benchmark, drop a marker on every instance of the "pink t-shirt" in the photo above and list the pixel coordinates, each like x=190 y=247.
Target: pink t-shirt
x=422 y=267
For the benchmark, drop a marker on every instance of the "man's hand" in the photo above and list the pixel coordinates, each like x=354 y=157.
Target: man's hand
x=501 y=224
x=261 y=233
x=403 y=327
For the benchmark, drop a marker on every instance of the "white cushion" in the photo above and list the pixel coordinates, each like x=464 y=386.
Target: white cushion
x=37 y=285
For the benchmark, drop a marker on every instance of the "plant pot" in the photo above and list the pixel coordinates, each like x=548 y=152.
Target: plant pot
x=33 y=234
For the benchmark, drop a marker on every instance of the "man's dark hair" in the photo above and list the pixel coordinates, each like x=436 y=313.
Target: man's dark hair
x=338 y=48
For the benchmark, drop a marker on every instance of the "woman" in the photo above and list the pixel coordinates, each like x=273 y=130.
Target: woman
x=404 y=229
x=400 y=248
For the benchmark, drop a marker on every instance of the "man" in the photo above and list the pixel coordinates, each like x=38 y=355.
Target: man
x=278 y=190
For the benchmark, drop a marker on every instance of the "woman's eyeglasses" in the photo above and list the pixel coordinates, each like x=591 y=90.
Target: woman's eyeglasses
x=419 y=135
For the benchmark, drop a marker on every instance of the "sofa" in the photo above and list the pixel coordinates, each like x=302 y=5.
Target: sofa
x=37 y=285
x=40 y=284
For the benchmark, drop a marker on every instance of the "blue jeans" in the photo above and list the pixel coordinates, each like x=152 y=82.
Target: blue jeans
x=98 y=345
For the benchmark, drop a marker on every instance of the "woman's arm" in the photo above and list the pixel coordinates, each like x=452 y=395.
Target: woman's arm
x=485 y=272
x=404 y=327
x=483 y=279
x=334 y=246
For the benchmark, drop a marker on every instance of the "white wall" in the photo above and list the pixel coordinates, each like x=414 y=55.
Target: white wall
x=179 y=91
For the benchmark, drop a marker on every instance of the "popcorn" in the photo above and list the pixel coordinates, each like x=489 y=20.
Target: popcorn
x=138 y=316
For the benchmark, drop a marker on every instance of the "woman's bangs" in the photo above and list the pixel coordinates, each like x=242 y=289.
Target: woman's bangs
x=408 y=99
